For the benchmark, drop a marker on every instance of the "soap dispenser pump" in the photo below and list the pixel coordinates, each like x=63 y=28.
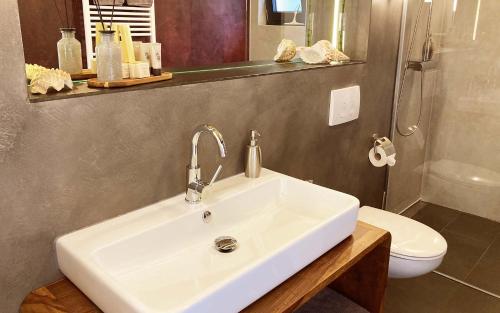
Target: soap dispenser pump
x=253 y=159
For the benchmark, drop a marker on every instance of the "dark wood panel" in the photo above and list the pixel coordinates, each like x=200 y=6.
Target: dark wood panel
x=40 y=23
x=366 y=281
x=197 y=33
x=173 y=23
x=357 y=267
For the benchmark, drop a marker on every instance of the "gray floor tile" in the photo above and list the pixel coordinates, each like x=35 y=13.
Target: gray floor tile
x=468 y=300
x=473 y=255
x=474 y=227
x=436 y=216
x=486 y=274
x=329 y=301
x=414 y=209
x=426 y=294
x=463 y=254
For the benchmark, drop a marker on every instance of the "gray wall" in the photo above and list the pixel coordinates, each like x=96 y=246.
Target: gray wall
x=68 y=164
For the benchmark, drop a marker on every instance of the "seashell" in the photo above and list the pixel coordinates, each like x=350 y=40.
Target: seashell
x=46 y=80
x=33 y=70
x=287 y=49
x=312 y=56
x=322 y=52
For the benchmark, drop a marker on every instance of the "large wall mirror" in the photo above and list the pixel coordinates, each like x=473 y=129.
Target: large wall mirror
x=194 y=33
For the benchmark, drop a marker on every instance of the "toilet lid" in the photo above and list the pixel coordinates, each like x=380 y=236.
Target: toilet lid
x=409 y=237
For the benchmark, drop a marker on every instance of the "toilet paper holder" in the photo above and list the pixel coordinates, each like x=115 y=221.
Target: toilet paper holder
x=384 y=143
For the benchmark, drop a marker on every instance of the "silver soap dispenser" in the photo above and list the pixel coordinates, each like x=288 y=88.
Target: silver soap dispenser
x=253 y=156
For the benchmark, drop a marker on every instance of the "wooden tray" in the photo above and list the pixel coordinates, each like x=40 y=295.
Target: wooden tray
x=84 y=75
x=94 y=83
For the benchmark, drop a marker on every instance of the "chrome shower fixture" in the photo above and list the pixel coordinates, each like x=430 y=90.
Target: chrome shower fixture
x=420 y=66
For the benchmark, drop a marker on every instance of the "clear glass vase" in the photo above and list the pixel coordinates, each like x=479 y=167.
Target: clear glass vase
x=69 y=52
x=109 y=58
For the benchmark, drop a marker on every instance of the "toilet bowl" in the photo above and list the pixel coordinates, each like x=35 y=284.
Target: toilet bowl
x=416 y=249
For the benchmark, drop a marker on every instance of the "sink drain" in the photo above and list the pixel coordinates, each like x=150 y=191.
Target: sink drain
x=226 y=244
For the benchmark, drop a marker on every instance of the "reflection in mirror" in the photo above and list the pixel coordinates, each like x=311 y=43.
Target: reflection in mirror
x=192 y=32
x=274 y=20
x=345 y=22
x=198 y=33
x=194 y=35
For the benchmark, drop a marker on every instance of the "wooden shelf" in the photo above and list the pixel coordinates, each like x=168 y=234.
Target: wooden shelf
x=357 y=268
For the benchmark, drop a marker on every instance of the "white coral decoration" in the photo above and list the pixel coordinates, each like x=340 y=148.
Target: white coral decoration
x=33 y=70
x=287 y=49
x=322 y=52
x=43 y=79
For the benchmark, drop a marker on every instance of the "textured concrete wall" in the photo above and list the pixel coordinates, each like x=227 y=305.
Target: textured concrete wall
x=68 y=164
x=13 y=93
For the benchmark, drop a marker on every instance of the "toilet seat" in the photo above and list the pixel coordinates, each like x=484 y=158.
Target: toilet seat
x=411 y=240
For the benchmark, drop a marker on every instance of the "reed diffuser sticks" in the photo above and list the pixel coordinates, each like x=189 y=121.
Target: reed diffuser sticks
x=99 y=11
x=96 y=2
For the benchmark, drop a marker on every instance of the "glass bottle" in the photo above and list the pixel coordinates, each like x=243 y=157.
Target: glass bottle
x=69 y=52
x=109 y=58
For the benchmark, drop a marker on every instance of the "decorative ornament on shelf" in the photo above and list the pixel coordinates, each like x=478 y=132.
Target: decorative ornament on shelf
x=287 y=49
x=42 y=80
x=322 y=52
x=34 y=70
x=69 y=49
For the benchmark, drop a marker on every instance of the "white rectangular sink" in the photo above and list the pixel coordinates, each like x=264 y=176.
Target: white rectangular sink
x=162 y=258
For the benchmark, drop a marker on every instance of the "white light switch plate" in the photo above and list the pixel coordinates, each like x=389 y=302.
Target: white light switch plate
x=344 y=105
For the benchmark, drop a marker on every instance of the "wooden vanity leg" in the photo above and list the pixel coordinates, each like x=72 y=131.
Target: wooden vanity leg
x=365 y=283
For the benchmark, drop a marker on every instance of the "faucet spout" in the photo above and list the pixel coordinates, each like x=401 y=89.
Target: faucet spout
x=196 y=136
x=195 y=185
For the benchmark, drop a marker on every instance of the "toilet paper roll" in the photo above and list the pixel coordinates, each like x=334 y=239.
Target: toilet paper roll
x=378 y=158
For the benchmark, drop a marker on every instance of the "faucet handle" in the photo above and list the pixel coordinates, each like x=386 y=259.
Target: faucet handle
x=216 y=175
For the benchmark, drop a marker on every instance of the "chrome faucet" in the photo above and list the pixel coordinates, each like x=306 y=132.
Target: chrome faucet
x=195 y=185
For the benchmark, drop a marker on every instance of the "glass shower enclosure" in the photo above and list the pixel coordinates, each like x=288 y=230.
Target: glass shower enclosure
x=446 y=128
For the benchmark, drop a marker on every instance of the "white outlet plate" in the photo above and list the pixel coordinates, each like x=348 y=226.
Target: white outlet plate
x=344 y=105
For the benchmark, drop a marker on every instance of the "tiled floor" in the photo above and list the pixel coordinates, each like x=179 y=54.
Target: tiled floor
x=473 y=245
x=434 y=293
x=473 y=256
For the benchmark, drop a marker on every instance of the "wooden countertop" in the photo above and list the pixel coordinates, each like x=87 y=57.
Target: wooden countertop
x=355 y=266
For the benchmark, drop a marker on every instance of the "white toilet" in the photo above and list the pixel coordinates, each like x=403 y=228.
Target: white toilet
x=416 y=249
